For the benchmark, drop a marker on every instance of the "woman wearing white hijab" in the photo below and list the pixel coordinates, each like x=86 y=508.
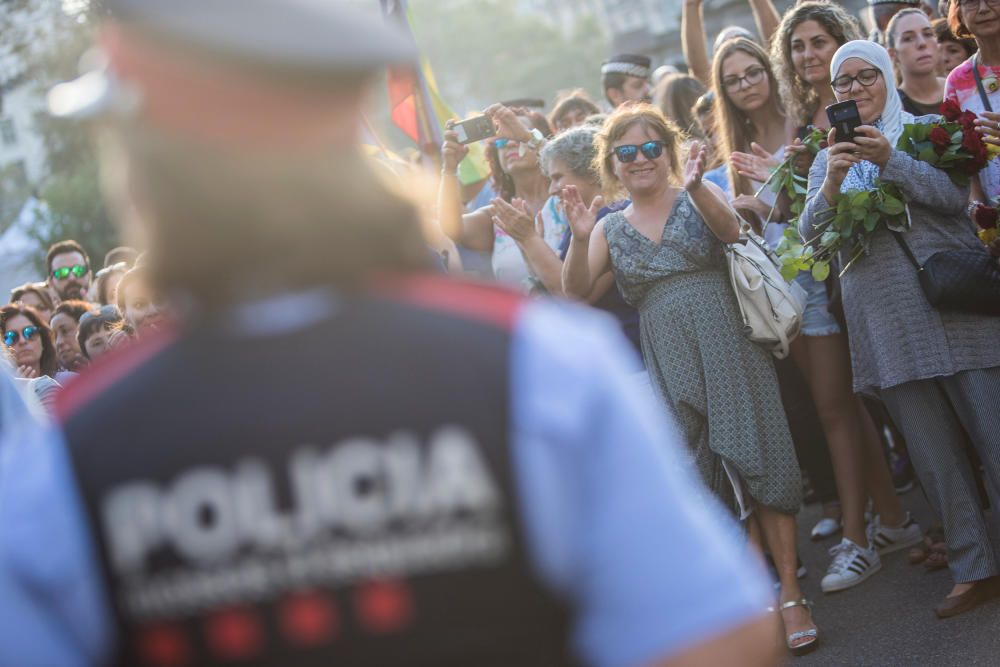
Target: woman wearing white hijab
x=938 y=372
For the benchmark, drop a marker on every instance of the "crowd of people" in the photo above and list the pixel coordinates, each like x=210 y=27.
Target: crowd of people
x=626 y=205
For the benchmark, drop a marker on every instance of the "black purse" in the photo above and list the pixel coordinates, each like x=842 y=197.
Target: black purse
x=967 y=281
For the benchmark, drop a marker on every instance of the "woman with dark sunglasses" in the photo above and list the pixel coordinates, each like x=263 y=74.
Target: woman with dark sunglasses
x=30 y=341
x=666 y=251
x=522 y=227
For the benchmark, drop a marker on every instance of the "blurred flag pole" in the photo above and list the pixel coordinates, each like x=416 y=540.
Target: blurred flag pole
x=416 y=106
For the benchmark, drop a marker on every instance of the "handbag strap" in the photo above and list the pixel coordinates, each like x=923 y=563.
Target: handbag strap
x=979 y=83
x=906 y=249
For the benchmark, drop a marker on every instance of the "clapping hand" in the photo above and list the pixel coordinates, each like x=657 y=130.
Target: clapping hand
x=582 y=218
x=757 y=165
x=514 y=218
x=694 y=168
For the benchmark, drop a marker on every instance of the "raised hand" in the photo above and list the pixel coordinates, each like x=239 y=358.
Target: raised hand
x=756 y=165
x=514 y=219
x=507 y=123
x=582 y=218
x=694 y=168
x=452 y=152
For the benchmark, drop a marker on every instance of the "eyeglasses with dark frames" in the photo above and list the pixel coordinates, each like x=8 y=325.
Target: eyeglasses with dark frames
x=753 y=76
x=866 y=77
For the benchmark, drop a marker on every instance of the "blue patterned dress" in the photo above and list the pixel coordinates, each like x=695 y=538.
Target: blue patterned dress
x=720 y=386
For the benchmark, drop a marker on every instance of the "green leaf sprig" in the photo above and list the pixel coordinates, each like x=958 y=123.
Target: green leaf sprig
x=856 y=217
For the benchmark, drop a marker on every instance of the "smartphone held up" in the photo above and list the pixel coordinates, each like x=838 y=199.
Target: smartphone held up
x=845 y=119
x=474 y=129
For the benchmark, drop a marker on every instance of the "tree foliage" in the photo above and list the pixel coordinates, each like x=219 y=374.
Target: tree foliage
x=483 y=51
x=46 y=44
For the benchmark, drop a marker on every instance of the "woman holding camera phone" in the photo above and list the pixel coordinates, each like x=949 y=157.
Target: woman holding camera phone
x=936 y=371
x=522 y=227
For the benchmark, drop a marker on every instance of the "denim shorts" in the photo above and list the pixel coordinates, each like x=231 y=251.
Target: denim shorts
x=817 y=320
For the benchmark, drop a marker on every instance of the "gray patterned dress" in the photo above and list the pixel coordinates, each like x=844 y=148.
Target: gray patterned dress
x=720 y=386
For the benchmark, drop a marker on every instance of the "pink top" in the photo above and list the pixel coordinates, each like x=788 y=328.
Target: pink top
x=961 y=87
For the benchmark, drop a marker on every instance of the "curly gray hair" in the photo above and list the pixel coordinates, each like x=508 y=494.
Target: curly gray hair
x=575 y=148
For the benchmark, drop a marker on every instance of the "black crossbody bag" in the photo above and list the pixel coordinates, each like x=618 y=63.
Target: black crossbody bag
x=966 y=281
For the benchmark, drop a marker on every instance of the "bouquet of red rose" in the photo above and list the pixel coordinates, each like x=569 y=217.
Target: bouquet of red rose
x=952 y=145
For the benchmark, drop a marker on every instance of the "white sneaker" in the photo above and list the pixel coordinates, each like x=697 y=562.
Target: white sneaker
x=851 y=565
x=824 y=528
x=886 y=539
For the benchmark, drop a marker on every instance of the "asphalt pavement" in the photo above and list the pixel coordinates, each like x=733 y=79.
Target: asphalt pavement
x=889 y=620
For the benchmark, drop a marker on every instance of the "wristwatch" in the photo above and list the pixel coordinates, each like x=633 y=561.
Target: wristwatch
x=535 y=143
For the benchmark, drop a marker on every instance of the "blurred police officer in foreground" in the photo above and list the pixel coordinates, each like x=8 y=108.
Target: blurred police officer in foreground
x=335 y=458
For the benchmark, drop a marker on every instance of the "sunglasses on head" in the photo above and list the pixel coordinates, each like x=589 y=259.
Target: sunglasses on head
x=11 y=337
x=629 y=152
x=108 y=313
x=62 y=273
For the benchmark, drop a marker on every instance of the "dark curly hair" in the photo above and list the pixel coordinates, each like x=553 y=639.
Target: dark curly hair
x=49 y=363
x=502 y=183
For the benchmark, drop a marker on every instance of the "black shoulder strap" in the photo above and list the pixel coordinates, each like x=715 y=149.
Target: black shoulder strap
x=906 y=249
x=979 y=83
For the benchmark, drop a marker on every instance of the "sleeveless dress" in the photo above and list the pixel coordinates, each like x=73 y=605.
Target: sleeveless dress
x=720 y=386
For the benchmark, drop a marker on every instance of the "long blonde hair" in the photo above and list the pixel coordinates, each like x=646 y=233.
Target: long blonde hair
x=736 y=131
x=615 y=127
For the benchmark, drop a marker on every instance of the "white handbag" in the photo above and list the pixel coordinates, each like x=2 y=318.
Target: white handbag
x=771 y=307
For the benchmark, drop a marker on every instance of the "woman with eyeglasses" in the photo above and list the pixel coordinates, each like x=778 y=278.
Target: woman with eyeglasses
x=975 y=84
x=937 y=371
x=522 y=227
x=750 y=121
x=666 y=252
x=913 y=47
x=96 y=329
x=30 y=341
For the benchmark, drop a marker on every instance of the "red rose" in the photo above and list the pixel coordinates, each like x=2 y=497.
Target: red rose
x=966 y=120
x=823 y=144
x=940 y=137
x=950 y=110
x=971 y=141
x=985 y=216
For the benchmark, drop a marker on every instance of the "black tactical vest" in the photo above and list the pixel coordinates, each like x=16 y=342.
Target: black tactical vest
x=335 y=495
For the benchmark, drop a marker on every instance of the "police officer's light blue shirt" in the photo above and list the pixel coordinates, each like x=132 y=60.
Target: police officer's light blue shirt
x=615 y=522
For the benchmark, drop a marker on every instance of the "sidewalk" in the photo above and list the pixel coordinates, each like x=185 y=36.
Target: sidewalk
x=889 y=621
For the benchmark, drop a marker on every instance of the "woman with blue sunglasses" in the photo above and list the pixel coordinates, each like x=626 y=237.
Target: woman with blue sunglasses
x=29 y=340
x=667 y=253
